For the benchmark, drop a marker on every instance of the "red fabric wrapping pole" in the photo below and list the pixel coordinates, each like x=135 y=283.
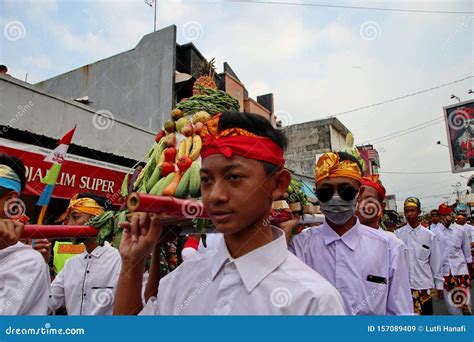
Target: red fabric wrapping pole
x=171 y=206
x=36 y=231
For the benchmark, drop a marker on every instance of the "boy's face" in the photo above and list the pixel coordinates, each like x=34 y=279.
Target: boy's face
x=461 y=220
x=369 y=206
x=446 y=218
x=435 y=218
x=237 y=193
x=78 y=218
x=411 y=214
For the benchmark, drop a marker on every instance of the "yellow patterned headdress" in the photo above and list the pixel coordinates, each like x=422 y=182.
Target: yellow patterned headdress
x=85 y=205
x=329 y=165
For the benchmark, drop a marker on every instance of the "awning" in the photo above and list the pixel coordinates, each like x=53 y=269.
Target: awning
x=78 y=174
x=308 y=189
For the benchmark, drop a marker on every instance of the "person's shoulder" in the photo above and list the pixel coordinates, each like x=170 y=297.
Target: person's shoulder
x=113 y=252
x=376 y=234
x=387 y=238
x=26 y=256
x=199 y=266
x=429 y=232
x=308 y=234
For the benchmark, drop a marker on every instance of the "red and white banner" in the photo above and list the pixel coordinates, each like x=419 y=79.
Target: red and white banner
x=78 y=174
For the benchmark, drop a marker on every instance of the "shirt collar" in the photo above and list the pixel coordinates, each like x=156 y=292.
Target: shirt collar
x=349 y=238
x=98 y=251
x=414 y=230
x=255 y=266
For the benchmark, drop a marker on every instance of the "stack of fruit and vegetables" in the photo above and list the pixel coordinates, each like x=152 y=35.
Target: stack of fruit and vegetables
x=173 y=163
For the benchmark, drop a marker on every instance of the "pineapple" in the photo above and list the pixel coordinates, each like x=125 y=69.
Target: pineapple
x=206 y=80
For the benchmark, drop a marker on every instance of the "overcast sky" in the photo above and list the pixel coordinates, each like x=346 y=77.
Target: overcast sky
x=317 y=61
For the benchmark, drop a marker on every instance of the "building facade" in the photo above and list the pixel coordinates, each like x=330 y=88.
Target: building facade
x=308 y=141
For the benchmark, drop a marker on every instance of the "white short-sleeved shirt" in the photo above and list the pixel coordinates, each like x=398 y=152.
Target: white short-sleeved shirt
x=266 y=281
x=366 y=265
x=24 y=281
x=87 y=283
x=455 y=249
x=425 y=264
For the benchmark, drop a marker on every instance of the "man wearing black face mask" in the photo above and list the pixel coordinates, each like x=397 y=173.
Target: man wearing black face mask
x=367 y=266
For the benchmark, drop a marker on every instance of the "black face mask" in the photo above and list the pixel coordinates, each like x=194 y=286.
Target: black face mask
x=345 y=191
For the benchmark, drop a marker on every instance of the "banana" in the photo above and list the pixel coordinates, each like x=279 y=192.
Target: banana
x=197 y=145
x=181 y=150
x=189 y=144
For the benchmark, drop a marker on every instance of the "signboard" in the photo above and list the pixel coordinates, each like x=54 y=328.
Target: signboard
x=459 y=120
x=78 y=174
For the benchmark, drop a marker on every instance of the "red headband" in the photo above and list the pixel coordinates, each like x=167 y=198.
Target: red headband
x=258 y=148
x=373 y=182
x=445 y=210
x=239 y=142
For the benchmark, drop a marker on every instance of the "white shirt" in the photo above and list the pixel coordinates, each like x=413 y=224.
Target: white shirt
x=266 y=281
x=212 y=243
x=424 y=255
x=24 y=281
x=366 y=265
x=433 y=226
x=468 y=228
x=87 y=283
x=455 y=249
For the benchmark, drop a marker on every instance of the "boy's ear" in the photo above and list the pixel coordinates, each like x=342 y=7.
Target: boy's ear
x=359 y=195
x=11 y=195
x=282 y=181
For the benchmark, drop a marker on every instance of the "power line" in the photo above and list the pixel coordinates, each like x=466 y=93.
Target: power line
x=413 y=173
x=407 y=131
x=348 y=7
x=382 y=138
x=398 y=98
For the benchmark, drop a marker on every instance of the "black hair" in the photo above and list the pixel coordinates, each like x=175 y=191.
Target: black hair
x=3 y=68
x=434 y=212
x=16 y=164
x=350 y=157
x=102 y=201
x=257 y=125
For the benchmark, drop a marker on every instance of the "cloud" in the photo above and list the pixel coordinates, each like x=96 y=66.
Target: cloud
x=316 y=61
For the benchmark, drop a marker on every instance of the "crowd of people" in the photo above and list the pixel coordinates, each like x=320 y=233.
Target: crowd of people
x=348 y=265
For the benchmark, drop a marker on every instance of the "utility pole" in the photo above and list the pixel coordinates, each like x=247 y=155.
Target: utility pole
x=456 y=187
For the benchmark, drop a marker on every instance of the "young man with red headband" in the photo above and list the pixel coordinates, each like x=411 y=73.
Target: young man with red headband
x=424 y=258
x=457 y=263
x=86 y=285
x=366 y=265
x=24 y=276
x=370 y=203
x=251 y=271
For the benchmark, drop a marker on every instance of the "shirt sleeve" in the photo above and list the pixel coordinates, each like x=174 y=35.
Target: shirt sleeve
x=399 y=300
x=436 y=263
x=329 y=304
x=57 y=297
x=36 y=299
x=466 y=246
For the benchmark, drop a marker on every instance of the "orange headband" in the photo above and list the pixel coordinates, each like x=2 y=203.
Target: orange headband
x=330 y=166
